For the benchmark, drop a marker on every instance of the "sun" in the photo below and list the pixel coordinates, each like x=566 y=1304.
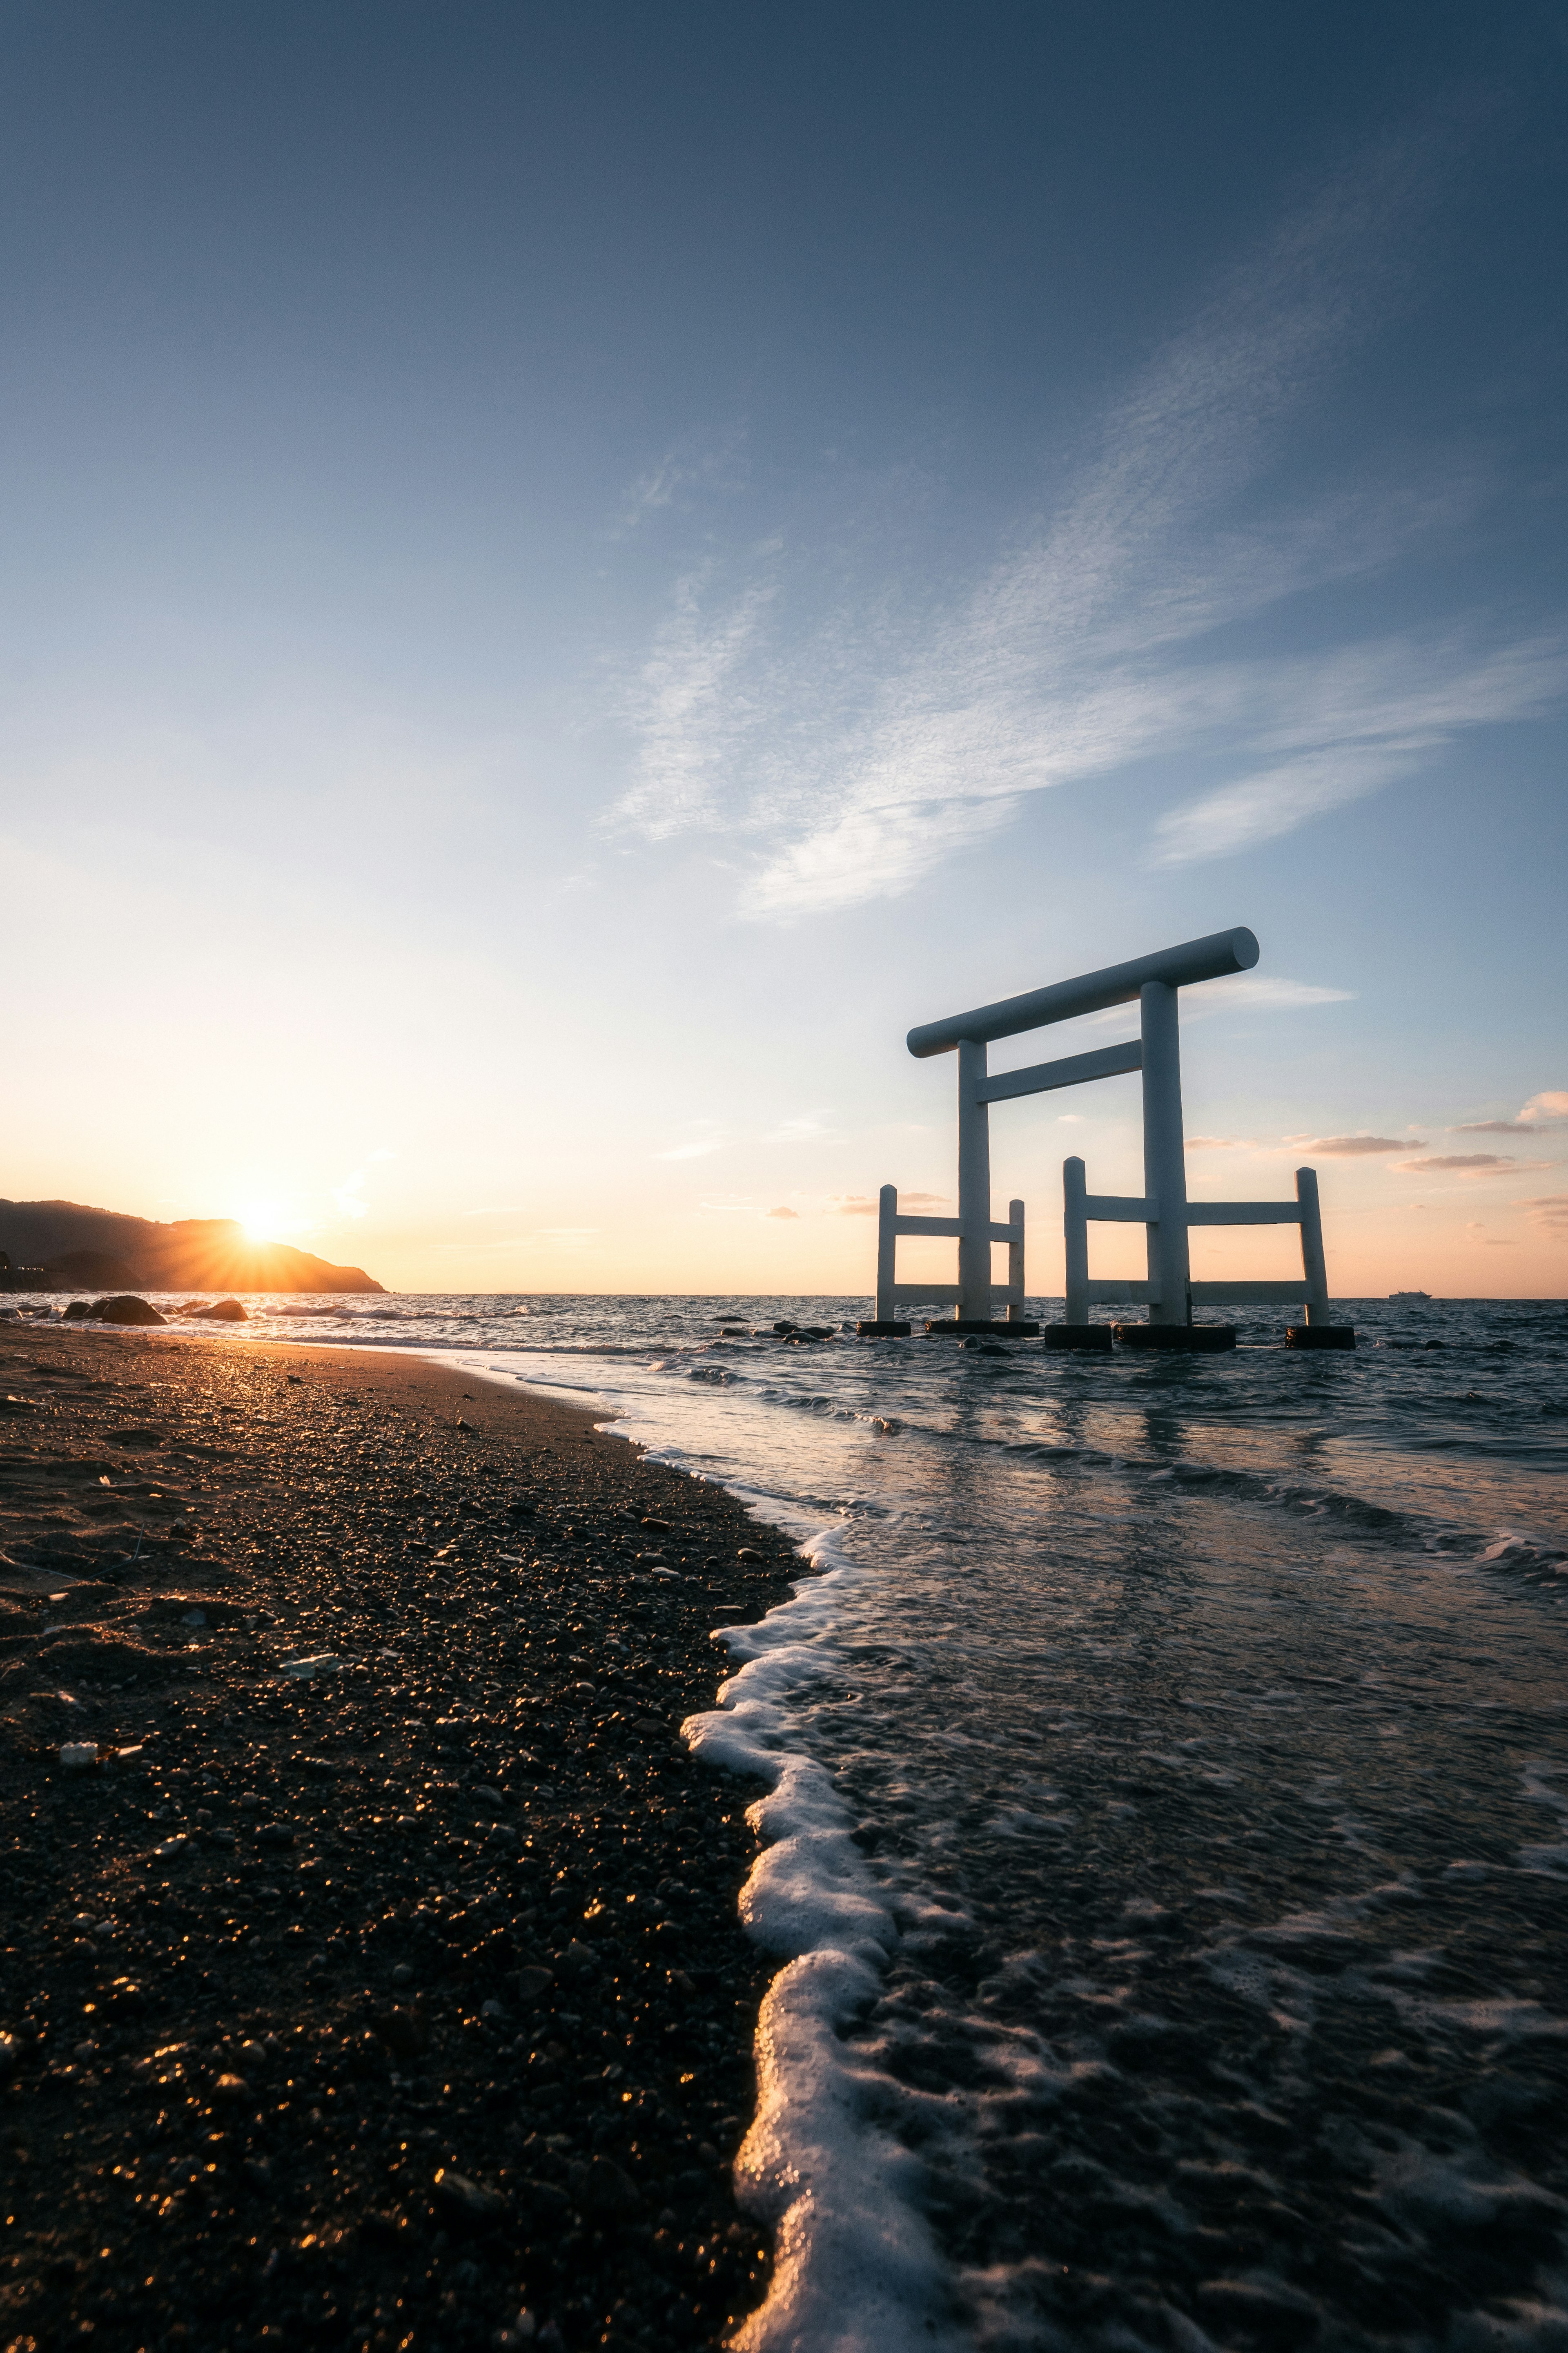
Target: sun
x=260 y=1220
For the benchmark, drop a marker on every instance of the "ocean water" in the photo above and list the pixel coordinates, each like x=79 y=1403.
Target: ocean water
x=1167 y=1814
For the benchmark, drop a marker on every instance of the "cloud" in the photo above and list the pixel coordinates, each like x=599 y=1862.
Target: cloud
x=1352 y=1147
x=1549 y=1210
x=1467 y=1164
x=1217 y=1143
x=348 y=1199
x=697 y=1147
x=681 y=470
x=916 y=1202
x=857 y=739
x=854 y=1205
x=1353 y=720
x=1542 y=1110
x=783 y=1213
x=689 y=714
x=1257 y=993
x=1236 y=993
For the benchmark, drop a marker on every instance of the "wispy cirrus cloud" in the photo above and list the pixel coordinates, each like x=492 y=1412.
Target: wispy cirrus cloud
x=689 y=467
x=856 y=744
x=692 y=710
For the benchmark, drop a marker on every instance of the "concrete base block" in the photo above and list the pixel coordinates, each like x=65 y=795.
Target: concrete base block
x=1319 y=1336
x=883 y=1331
x=1077 y=1335
x=1195 y=1338
x=1023 y=1330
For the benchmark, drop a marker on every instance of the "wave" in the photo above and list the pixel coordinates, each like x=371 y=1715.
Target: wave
x=855 y=2263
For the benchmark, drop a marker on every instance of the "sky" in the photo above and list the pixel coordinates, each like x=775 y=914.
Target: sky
x=568 y=573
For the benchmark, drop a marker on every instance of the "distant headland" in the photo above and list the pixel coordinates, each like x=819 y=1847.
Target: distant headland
x=61 y=1246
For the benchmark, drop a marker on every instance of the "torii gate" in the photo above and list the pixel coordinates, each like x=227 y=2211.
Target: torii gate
x=1163 y=1209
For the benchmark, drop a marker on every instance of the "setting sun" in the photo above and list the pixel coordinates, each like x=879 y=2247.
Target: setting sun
x=261 y=1221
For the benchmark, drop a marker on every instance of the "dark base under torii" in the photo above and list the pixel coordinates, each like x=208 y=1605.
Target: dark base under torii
x=1022 y=1330
x=1194 y=1337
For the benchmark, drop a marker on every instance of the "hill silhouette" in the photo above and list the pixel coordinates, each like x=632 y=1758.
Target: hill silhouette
x=64 y=1238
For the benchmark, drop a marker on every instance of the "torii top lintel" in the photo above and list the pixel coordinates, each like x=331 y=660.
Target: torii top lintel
x=1091 y=992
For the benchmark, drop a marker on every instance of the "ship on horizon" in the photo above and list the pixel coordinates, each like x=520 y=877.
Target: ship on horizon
x=1410 y=1294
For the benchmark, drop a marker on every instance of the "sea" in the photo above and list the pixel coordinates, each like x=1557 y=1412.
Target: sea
x=1163 y=1777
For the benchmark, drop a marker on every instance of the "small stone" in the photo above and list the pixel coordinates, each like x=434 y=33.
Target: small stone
x=275 y=1834
x=10 y=2057
x=233 y=2090
x=405 y=2032
x=608 y=2190
x=402 y=1976
x=749 y=1552
x=258 y=2172
x=77 y=1756
x=466 y=2202
x=529 y=1983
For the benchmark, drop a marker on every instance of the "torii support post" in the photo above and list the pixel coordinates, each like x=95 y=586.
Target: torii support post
x=1077 y=1330
x=974 y=1186
x=1164 y=1156
x=1317 y=1332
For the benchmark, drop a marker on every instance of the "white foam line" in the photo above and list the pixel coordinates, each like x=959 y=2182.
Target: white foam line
x=855 y=2268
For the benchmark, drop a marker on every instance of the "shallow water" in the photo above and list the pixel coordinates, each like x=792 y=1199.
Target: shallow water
x=1171 y=1822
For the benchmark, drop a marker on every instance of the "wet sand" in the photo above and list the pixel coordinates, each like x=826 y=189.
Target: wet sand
x=398 y=2002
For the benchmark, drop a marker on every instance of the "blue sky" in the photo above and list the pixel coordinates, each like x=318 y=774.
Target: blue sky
x=569 y=574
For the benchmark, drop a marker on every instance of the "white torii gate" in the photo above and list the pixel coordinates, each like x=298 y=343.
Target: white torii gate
x=1163 y=1209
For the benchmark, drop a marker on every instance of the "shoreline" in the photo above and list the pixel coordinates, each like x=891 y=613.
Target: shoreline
x=328 y=2014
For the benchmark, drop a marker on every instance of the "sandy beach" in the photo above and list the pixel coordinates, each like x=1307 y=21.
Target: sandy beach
x=380 y=1984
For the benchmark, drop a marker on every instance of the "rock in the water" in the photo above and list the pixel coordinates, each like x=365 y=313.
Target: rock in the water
x=124 y=1308
x=227 y=1311
x=460 y=2201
